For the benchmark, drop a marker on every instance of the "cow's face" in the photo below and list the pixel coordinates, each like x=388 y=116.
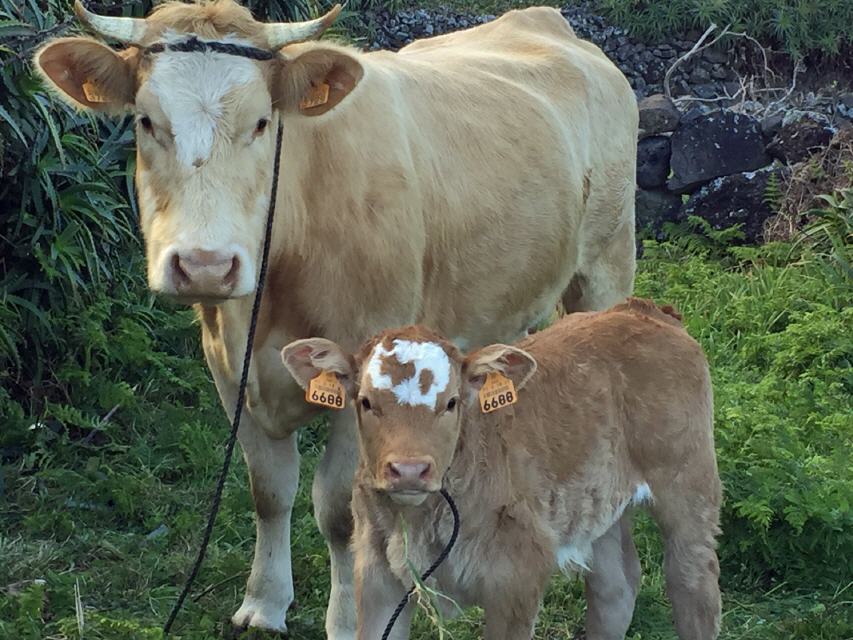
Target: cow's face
x=205 y=124
x=412 y=390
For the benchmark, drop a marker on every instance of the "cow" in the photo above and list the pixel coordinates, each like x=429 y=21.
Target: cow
x=469 y=181
x=607 y=411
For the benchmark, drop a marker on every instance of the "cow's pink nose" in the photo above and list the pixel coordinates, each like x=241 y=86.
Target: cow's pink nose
x=205 y=272
x=409 y=471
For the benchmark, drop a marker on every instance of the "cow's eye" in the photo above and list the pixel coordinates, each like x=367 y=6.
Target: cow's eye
x=451 y=405
x=365 y=404
x=261 y=126
x=145 y=123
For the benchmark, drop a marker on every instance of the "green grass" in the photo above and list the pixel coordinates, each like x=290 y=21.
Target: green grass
x=119 y=515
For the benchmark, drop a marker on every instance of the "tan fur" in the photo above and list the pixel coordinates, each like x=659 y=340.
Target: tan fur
x=620 y=398
x=461 y=182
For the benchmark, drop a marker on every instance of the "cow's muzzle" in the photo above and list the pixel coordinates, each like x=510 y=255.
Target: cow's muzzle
x=204 y=274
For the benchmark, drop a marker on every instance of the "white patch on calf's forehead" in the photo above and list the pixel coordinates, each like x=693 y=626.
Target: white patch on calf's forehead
x=191 y=87
x=425 y=356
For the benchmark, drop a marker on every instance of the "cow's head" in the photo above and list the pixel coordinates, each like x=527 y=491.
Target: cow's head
x=411 y=389
x=206 y=124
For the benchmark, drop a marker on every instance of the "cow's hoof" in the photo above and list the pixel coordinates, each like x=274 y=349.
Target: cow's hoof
x=260 y=615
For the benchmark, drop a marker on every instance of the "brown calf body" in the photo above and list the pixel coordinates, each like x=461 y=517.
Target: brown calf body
x=616 y=410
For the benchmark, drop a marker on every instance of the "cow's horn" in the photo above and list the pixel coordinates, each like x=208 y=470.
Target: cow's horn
x=126 y=30
x=282 y=33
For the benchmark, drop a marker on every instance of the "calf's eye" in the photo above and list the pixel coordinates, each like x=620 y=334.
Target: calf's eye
x=145 y=123
x=261 y=126
x=365 y=404
x=451 y=405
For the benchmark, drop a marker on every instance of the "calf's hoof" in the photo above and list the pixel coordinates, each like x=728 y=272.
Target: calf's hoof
x=259 y=614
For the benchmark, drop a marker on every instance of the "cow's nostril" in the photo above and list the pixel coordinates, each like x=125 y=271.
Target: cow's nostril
x=231 y=276
x=426 y=472
x=178 y=270
x=392 y=471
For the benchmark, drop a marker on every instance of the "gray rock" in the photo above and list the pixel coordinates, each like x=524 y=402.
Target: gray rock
x=653 y=208
x=705 y=91
x=700 y=75
x=713 y=145
x=653 y=162
x=771 y=124
x=801 y=134
x=845 y=106
x=658 y=114
x=715 y=56
x=735 y=199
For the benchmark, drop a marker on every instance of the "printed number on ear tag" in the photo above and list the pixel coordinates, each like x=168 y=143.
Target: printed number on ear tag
x=497 y=392
x=326 y=390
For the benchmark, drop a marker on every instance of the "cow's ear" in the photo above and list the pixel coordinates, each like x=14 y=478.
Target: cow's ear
x=89 y=74
x=318 y=80
x=306 y=359
x=515 y=364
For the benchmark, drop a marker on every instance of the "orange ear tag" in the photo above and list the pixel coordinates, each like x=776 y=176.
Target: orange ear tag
x=327 y=391
x=497 y=392
x=92 y=94
x=315 y=96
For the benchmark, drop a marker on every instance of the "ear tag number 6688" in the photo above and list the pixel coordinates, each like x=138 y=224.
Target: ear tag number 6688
x=497 y=392
x=326 y=390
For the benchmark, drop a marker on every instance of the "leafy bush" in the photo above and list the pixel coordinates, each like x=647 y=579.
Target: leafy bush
x=800 y=26
x=775 y=322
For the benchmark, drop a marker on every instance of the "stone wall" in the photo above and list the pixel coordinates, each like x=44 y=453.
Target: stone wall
x=717 y=164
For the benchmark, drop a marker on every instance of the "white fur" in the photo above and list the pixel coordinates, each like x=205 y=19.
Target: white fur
x=642 y=494
x=191 y=87
x=426 y=356
x=572 y=558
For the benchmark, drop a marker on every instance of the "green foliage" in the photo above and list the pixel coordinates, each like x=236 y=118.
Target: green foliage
x=801 y=26
x=775 y=322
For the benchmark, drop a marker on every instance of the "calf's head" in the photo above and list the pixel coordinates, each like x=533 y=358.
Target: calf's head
x=205 y=125
x=412 y=391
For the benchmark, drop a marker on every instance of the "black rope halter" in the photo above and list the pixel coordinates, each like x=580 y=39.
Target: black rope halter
x=194 y=45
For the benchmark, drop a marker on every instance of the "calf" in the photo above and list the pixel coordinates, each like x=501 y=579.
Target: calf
x=598 y=413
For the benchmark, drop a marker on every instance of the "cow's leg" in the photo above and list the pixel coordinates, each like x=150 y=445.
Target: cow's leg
x=606 y=279
x=611 y=587
x=332 y=493
x=688 y=517
x=274 y=475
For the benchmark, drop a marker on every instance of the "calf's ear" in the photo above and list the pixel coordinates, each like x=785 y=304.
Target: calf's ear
x=513 y=363
x=306 y=359
x=88 y=74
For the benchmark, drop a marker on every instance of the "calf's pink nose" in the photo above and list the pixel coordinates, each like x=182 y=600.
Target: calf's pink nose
x=409 y=471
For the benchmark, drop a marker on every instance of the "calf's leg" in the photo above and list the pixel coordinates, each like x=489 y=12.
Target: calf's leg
x=378 y=593
x=274 y=475
x=611 y=586
x=511 y=615
x=331 y=493
x=688 y=517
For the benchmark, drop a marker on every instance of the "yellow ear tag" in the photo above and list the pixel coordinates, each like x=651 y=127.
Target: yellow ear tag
x=92 y=94
x=326 y=390
x=315 y=96
x=497 y=392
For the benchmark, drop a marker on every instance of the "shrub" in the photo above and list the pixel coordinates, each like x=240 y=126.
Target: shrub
x=775 y=322
x=800 y=26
